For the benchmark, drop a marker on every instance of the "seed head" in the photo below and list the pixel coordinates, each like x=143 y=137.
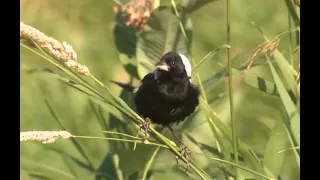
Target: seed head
x=44 y=136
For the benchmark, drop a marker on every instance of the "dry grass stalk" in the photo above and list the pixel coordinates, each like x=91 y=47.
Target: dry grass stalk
x=44 y=136
x=265 y=48
x=296 y=49
x=136 y=13
x=62 y=51
x=297 y=3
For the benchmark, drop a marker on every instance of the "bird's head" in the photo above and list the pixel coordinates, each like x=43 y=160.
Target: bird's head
x=175 y=64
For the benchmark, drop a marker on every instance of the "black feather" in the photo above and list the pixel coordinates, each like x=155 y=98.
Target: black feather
x=166 y=95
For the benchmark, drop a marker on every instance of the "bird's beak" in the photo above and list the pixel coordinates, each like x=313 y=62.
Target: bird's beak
x=163 y=66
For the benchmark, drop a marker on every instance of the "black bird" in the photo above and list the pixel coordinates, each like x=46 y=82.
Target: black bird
x=166 y=95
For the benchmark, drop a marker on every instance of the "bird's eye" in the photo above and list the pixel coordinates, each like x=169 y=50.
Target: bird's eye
x=172 y=63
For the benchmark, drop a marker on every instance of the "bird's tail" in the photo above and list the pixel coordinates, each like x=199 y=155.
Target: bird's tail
x=126 y=86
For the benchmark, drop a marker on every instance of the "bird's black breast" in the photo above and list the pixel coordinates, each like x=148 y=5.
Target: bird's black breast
x=160 y=107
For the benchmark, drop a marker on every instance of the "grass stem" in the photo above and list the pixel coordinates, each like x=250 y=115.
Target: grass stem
x=233 y=122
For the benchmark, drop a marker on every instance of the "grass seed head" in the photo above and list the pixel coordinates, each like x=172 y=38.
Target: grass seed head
x=264 y=48
x=44 y=136
x=136 y=13
x=61 y=51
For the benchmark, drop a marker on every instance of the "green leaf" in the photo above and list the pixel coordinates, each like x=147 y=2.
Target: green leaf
x=132 y=161
x=75 y=142
x=148 y=164
x=46 y=170
x=294 y=149
x=294 y=116
x=126 y=42
x=129 y=64
x=162 y=35
x=75 y=165
x=293 y=11
x=244 y=150
x=125 y=37
x=109 y=168
x=278 y=141
x=265 y=86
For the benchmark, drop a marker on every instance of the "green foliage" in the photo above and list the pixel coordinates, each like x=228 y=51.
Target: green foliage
x=265 y=97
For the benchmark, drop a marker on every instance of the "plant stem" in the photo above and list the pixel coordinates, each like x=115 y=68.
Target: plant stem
x=122 y=140
x=291 y=39
x=148 y=165
x=233 y=122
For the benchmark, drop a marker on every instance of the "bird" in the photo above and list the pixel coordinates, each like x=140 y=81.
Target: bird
x=166 y=95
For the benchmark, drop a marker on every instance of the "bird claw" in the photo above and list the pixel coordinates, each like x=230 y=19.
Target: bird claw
x=145 y=127
x=186 y=153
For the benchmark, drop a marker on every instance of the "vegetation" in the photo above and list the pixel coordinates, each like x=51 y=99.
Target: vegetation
x=245 y=57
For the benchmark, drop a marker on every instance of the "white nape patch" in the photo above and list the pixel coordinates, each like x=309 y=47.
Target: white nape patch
x=135 y=90
x=186 y=64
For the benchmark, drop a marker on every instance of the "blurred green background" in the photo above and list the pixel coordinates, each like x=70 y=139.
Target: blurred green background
x=88 y=25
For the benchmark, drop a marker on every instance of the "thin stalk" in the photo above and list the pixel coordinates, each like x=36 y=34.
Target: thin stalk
x=122 y=134
x=290 y=39
x=148 y=165
x=118 y=171
x=297 y=66
x=123 y=140
x=233 y=122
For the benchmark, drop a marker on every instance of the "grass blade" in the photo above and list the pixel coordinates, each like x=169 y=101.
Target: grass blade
x=148 y=165
x=266 y=86
x=278 y=141
x=292 y=9
x=294 y=117
x=296 y=155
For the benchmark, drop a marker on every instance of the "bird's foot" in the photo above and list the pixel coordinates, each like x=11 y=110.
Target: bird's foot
x=145 y=127
x=186 y=153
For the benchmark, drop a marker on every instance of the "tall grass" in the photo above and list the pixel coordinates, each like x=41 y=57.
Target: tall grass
x=264 y=138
